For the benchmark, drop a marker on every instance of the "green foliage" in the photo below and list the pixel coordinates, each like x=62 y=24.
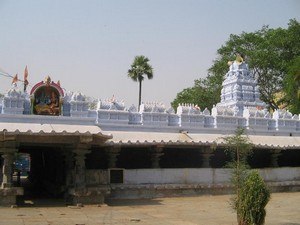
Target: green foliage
x=238 y=175
x=254 y=196
x=292 y=87
x=139 y=68
x=239 y=146
x=269 y=53
x=205 y=93
x=251 y=194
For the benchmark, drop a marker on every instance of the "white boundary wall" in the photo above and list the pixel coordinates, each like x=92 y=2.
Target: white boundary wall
x=176 y=176
x=206 y=176
x=203 y=176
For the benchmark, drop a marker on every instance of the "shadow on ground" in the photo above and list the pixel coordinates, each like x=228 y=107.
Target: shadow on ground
x=52 y=202
x=132 y=202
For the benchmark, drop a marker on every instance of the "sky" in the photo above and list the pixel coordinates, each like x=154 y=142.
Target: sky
x=89 y=45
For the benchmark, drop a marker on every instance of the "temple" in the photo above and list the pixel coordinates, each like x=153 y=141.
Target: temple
x=86 y=154
x=240 y=89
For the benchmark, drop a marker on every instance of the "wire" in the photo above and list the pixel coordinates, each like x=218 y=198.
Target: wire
x=8 y=75
x=4 y=74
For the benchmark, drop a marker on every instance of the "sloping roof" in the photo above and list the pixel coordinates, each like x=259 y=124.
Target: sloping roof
x=172 y=139
x=49 y=130
x=275 y=141
x=147 y=137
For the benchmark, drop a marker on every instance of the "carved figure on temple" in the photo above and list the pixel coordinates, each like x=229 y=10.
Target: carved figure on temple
x=238 y=63
x=49 y=106
x=47 y=98
x=46 y=104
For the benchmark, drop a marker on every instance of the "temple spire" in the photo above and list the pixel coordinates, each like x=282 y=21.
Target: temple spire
x=240 y=88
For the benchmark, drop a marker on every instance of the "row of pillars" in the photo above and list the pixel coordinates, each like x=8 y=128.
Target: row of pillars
x=156 y=153
x=75 y=160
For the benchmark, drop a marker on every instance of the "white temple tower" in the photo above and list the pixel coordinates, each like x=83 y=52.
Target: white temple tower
x=240 y=88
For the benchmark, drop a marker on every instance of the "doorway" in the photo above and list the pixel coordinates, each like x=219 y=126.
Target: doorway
x=45 y=178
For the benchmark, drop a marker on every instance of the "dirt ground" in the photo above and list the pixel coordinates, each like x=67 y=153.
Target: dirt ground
x=283 y=209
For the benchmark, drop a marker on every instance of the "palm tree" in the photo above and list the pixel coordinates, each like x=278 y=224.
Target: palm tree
x=139 y=68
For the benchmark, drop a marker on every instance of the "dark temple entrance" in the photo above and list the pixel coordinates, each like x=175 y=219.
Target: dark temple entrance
x=46 y=176
x=57 y=160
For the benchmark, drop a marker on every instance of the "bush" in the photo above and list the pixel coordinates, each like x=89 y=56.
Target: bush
x=254 y=196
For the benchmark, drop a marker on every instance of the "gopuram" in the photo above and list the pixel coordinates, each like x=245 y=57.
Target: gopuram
x=86 y=154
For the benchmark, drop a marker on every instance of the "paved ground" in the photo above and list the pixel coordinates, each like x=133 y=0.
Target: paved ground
x=283 y=209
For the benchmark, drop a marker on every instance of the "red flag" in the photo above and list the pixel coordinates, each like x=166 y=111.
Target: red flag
x=15 y=79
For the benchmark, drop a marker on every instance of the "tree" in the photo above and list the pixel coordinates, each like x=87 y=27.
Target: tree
x=251 y=194
x=239 y=147
x=205 y=93
x=292 y=87
x=269 y=53
x=139 y=68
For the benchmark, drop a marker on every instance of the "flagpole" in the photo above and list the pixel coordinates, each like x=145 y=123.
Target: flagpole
x=25 y=78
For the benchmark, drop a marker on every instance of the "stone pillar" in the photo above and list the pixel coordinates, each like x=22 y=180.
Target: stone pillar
x=7 y=170
x=275 y=153
x=113 y=153
x=156 y=153
x=80 y=154
x=206 y=153
x=8 y=150
x=81 y=192
x=69 y=166
x=8 y=193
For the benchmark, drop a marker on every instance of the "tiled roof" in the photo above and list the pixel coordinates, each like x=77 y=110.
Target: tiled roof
x=49 y=128
x=53 y=130
x=157 y=138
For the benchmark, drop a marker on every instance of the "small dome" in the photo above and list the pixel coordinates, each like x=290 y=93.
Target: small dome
x=78 y=96
x=68 y=96
x=132 y=109
x=206 y=112
x=170 y=110
x=14 y=92
x=153 y=107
